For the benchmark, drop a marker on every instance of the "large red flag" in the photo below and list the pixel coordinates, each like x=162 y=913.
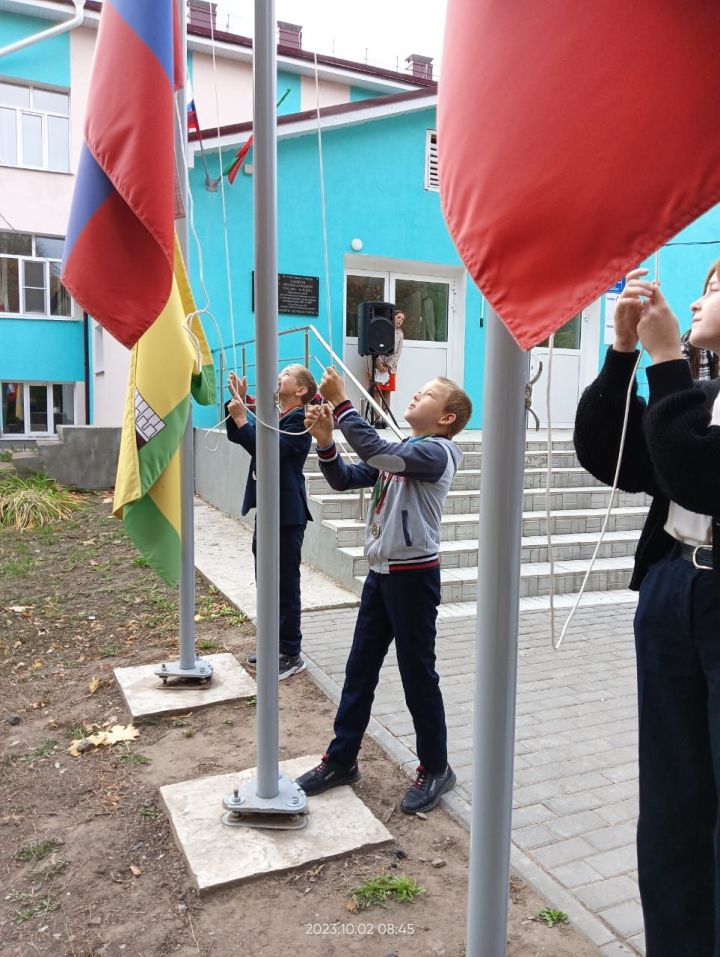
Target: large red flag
x=119 y=248
x=574 y=138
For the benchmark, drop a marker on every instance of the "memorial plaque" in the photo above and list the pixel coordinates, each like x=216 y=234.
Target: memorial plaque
x=297 y=295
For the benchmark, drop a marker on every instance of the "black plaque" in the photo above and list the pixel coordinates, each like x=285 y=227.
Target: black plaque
x=297 y=295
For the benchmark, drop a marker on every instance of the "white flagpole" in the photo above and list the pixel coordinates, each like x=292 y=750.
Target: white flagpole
x=189 y=666
x=503 y=454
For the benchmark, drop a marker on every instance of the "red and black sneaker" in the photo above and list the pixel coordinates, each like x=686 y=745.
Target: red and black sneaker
x=427 y=790
x=328 y=774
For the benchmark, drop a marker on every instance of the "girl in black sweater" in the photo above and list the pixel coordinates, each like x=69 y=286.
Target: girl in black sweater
x=672 y=452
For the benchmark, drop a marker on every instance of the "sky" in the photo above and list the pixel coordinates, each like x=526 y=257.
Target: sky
x=384 y=32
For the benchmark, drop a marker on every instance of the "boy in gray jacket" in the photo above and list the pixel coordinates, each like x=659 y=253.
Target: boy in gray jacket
x=410 y=482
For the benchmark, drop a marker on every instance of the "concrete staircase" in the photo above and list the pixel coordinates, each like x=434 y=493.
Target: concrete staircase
x=334 y=542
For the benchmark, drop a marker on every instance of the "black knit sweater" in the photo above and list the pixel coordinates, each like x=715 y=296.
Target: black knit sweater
x=671 y=451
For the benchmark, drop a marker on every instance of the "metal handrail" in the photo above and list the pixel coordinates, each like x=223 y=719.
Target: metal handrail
x=336 y=358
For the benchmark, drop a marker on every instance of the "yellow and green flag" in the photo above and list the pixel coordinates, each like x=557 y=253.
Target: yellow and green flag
x=169 y=362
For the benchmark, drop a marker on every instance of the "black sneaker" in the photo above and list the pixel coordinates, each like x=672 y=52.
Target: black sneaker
x=328 y=774
x=427 y=790
x=291 y=665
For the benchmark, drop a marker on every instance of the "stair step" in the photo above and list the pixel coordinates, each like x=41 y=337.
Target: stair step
x=561 y=458
x=469 y=479
x=561 y=603
x=351 y=531
x=462 y=553
x=460 y=584
x=337 y=505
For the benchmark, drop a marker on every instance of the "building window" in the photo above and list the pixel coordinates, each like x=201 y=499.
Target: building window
x=432 y=179
x=34 y=128
x=30 y=276
x=30 y=408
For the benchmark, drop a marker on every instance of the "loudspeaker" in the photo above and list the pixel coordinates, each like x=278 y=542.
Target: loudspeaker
x=376 y=329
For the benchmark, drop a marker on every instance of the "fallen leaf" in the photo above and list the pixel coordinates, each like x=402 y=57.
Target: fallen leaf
x=94 y=684
x=21 y=609
x=423 y=817
x=122 y=733
x=101 y=739
x=136 y=870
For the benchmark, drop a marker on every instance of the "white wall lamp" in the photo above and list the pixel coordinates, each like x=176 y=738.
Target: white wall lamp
x=356 y=244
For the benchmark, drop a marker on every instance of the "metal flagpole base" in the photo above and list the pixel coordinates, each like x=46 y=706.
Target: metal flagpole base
x=286 y=811
x=201 y=671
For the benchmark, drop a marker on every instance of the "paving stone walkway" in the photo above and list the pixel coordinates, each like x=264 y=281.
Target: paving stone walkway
x=575 y=787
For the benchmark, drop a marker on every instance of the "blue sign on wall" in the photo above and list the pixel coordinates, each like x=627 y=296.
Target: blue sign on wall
x=618 y=286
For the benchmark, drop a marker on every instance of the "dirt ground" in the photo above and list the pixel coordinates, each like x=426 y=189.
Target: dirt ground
x=87 y=860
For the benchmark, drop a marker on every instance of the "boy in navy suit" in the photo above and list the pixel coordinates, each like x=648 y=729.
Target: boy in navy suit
x=296 y=387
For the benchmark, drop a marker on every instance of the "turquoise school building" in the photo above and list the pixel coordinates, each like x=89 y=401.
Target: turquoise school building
x=380 y=236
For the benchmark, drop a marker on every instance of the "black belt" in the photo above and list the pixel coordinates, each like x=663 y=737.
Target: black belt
x=700 y=555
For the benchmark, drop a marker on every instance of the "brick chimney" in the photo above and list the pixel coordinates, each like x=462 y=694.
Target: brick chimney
x=421 y=66
x=289 y=35
x=203 y=14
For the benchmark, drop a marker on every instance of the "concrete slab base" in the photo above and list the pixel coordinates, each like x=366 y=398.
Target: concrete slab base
x=217 y=855
x=145 y=695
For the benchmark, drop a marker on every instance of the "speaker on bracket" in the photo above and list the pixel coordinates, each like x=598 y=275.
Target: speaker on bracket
x=376 y=328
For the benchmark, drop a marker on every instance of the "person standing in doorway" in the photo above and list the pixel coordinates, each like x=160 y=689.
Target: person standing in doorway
x=382 y=388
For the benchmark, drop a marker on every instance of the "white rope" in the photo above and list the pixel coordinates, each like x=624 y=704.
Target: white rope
x=322 y=207
x=548 y=480
x=556 y=645
x=224 y=207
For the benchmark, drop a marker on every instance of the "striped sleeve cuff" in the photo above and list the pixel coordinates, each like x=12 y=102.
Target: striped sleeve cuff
x=342 y=409
x=328 y=454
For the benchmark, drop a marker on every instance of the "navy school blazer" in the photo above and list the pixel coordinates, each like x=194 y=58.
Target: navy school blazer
x=293 y=453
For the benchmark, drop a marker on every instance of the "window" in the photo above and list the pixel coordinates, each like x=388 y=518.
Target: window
x=568 y=336
x=30 y=276
x=34 y=127
x=35 y=408
x=432 y=180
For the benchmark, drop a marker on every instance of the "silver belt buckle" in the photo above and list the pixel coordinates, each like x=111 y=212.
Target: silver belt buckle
x=707 y=568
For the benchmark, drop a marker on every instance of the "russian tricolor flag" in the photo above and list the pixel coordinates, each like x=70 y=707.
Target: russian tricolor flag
x=118 y=260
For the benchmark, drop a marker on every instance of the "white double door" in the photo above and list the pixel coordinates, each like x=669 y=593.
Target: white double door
x=574 y=366
x=429 y=330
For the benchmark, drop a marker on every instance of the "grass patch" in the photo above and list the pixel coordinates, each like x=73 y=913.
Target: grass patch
x=553 y=917
x=379 y=890
x=38 y=852
x=214 y=607
x=34 y=906
x=41 y=875
x=207 y=644
x=134 y=757
x=17 y=567
x=33 y=502
x=150 y=811
x=45 y=749
x=6 y=456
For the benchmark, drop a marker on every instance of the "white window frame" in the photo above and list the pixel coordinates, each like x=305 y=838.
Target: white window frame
x=31 y=110
x=49 y=420
x=432 y=176
x=21 y=259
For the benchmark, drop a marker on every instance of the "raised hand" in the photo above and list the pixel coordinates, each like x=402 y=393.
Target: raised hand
x=238 y=394
x=658 y=328
x=629 y=309
x=332 y=387
x=319 y=423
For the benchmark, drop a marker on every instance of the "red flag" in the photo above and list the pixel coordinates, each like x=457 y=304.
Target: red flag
x=573 y=140
x=119 y=247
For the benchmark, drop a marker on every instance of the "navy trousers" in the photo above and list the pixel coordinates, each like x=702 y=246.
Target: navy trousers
x=291 y=540
x=677 y=637
x=403 y=606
